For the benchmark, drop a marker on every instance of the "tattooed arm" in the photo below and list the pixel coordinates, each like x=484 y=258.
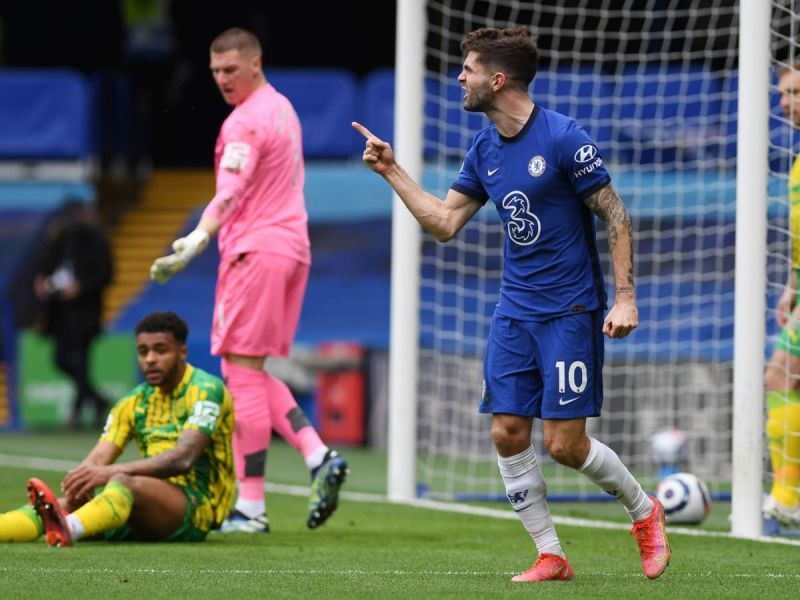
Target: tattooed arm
x=624 y=315
x=80 y=482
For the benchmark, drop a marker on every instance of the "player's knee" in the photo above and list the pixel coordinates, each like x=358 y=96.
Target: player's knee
x=129 y=481
x=564 y=452
x=510 y=436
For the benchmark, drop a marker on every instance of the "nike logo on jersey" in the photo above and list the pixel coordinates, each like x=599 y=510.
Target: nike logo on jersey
x=563 y=402
x=491 y=172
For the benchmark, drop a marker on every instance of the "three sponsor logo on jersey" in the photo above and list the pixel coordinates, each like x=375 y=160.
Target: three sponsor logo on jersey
x=524 y=227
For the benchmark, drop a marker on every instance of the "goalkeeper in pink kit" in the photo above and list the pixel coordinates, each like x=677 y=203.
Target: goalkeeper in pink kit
x=258 y=214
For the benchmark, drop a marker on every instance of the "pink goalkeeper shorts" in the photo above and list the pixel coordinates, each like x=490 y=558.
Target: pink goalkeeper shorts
x=257 y=304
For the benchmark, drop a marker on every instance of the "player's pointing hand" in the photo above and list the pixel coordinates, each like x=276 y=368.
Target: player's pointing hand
x=378 y=155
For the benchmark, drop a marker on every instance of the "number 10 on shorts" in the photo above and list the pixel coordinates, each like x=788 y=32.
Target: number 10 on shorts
x=576 y=375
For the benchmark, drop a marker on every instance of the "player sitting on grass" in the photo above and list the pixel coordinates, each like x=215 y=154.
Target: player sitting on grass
x=183 y=485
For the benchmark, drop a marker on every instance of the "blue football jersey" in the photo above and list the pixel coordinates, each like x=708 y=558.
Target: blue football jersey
x=538 y=181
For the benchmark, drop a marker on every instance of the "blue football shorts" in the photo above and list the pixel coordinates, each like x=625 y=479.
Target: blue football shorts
x=546 y=369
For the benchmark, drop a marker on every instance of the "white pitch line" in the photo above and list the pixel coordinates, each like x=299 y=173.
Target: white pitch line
x=375 y=572
x=45 y=464
x=48 y=464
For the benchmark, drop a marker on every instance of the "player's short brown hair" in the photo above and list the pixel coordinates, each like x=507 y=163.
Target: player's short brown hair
x=239 y=39
x=512 y=51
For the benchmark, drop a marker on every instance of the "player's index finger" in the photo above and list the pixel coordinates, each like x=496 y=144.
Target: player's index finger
x=363 y=130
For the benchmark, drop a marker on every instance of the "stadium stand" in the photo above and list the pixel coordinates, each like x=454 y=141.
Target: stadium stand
x=564 y=85
x=442 y=120
x=350 y=211
x=662 y=126
x=45 y=115
x=146 y=230
x=46 y=157
x=325 y=101
x=378 y=110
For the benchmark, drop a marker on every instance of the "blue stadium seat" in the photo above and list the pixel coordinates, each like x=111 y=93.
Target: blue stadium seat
x=449 y=129
x=580 y=93
x=445 y=118
x=378 y=95
x=326 y=102
x=663 y=116
x=44 y=114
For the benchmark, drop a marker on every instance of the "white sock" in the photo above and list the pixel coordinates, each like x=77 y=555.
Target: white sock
x=251 y=508
x=75 y=527
x=315 y=459
x=527 y=492
x=604 y=468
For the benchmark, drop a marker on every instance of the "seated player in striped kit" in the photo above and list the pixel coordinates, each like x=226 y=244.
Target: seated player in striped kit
x=182 y=486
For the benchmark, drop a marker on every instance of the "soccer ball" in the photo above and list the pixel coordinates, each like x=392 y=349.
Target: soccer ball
x=685 y=498
x=670 y=450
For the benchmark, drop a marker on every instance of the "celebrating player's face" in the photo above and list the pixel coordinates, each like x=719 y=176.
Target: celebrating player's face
x=477 y=85
x=235 y=74
x=789 y=89
x=161 y=358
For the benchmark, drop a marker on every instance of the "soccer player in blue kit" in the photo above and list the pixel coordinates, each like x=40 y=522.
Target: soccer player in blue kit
x=544 y=356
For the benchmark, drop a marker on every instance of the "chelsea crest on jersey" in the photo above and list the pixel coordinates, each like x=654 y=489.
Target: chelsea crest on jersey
x=538 y=181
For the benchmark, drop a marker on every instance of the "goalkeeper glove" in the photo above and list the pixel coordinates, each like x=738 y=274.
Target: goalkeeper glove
x=185 y=249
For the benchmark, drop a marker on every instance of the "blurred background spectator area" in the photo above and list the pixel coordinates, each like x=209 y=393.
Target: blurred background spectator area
x=111 y=103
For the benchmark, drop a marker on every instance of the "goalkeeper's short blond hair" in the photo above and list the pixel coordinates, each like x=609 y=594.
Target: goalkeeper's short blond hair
x=239 y=39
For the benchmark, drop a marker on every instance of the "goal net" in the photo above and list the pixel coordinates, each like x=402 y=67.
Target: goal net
x=655 y=84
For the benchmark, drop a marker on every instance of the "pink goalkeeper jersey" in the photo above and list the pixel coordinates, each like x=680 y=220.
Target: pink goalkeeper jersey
x=258 y=161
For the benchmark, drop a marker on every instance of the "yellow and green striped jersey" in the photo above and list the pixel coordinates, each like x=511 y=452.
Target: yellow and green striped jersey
x=200 y=402
x=794 y=212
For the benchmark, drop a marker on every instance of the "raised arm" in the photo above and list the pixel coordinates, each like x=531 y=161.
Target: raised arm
x=624 y=314
x=442 y=218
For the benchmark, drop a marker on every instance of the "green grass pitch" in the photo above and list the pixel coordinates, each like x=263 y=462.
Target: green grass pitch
x=369 y=549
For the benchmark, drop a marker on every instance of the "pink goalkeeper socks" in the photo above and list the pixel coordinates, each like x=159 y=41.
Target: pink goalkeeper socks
x=291 y=423
x=253 y=430
x=261 y=403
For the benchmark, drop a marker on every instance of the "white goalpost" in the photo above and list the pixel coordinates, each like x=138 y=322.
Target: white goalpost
x=751 y=245
x=404 y=315
x=658 y=84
